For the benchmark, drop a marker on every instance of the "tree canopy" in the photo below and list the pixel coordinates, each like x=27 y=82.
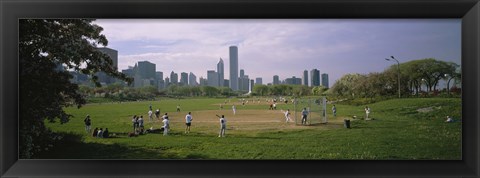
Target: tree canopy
x=48 y=49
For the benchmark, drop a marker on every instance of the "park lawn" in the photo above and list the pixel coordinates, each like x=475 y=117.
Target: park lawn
x=401 y=129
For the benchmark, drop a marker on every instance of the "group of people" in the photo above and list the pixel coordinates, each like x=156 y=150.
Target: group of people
x=100 y=133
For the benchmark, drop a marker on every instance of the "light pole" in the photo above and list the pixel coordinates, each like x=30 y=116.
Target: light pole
x=398 y=67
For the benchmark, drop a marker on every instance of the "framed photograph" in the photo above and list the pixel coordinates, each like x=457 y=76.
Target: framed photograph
x=239 y=88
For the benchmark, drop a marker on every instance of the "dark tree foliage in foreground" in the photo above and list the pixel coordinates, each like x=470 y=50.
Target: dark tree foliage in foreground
x=48 y=48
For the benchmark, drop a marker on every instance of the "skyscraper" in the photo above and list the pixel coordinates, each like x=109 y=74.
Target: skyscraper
x=159 y=79
x=242 y=73
x=192 y=80
x=305 y=78
x=258 y=81
x=146 y=70
x=212 y=78
x=113 y=54
x=315 y=77
x=173 y=78
x=276 y=80
x=221 y=73
x=234 y=68
x=184 y=78
x=325 y=80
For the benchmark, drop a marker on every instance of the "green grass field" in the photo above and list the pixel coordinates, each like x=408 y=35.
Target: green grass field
x=402 y=129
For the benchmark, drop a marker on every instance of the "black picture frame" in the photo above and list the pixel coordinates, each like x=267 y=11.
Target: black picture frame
x=11 y=11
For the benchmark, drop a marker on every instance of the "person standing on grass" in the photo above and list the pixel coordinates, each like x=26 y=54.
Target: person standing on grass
x=188 y=122
x=234 y=109
x=334 y=110
x=150 y=115
x=134 y=122
x=367 y=112
x=178 y=108
x=304 y=116
x=157 y=113
x=88 y=123
x=275 y=106
x=287 y=116
x=140 y=122
x=223 y=126
x=166 y=125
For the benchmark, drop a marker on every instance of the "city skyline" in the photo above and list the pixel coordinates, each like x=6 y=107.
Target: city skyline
x=282 y=47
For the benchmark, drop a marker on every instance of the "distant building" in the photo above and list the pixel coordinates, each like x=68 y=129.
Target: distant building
x=325 y=80
x=221 y=73
x=203 y=81
x=251 y=86
x=305 y=78
x=167 y=82
x=276 y=80
x=173 y=78
x=315 y=77
x=226 y=83
x=159 y=79
x=243 y=83
x=212 y=78
x=233 y=68
x=293 y=81
x=146 y=70
x=102 y=76
x=192 y=79
x=258 y=81
x=184 y=78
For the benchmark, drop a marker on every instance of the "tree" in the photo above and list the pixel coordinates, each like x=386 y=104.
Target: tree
x=48 y=48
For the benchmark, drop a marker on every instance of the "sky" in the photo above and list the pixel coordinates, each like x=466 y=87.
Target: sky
x=283 y=47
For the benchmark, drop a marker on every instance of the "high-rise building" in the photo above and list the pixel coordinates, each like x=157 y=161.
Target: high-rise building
x=325 y=80
x=226 y=83
x=242 y=73
x=305 y=78
x=243 y=83
x=293 y=81
x=258 y=81
x=159 y=79
x=192 y=79
x=146 y=70
x=113 y=54
x=221 y=73
x=251 y=86
x=173 y=78
x=212 y=78
x=314 y=77
x=167 y=82
x=184 y=78
x=234 y=68
x=203 y=81
x=276 y=80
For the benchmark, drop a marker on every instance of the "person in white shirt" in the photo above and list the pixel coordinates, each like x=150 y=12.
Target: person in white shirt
x=188 y=122
x=140 y=122
x=166 y=125
x=367 y=112
x=287 y=116
x=234 y=109
x=223 y=126
x=150 y=115
x=334 y=110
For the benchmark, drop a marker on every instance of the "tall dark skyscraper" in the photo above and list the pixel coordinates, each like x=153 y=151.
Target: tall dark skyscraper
x=173 y=78
x=276 y=80
x=325 y=80
x=113 y=54
x=315 y=77
x=221 y=73
x=234 y=68
x=184 y=78
x=305 y=78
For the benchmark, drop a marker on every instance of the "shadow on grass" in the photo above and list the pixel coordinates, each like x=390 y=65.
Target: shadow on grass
x=72 y=146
